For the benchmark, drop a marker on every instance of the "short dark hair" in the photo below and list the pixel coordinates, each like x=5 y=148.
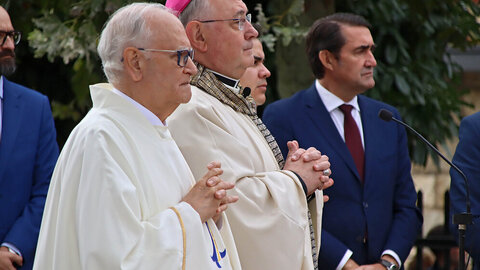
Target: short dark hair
x=325 y=34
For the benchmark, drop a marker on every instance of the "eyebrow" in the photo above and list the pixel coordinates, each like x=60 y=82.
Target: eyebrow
x=240 y=13
x=365 y=47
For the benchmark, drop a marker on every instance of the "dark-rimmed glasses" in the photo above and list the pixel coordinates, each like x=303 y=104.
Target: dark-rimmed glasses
x=14 y=35
x=241 y=21
x=182 y=55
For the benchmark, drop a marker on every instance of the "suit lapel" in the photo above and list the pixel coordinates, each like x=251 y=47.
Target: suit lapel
x=323 y=124
x=10 y=125
x=371 y=134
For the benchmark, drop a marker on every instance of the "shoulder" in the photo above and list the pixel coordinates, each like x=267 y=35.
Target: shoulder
x=285 y=105
x=374 y=106
x=470 y=127
x=201 y=105
x=22 y=91
x=96 y=127
x=364 y=100
x=472 y=119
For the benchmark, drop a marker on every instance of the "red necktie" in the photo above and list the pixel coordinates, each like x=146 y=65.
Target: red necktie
x=353 y=139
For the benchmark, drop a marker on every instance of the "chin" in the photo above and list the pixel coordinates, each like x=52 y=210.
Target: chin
x=187 y=98
x=186 y=94
x=260 y=100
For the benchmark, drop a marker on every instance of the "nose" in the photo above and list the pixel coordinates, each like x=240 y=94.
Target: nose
x=190 y=68
x=371 y=62
x=9 y=43
x=250 y=31
x=264 y=72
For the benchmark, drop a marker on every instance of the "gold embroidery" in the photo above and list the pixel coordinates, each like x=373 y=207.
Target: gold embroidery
x=184 y=235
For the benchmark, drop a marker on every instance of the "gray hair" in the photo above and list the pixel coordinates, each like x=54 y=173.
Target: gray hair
x=195 y=10
x=126 y=27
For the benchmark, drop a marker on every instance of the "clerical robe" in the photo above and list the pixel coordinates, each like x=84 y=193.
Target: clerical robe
x=108 y=206
x=270 y=220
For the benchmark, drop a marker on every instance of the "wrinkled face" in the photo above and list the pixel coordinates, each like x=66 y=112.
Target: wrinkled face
x=7 y=53
x=354 y=67
x=256 y=76
x=229 y=50
x=168 y=83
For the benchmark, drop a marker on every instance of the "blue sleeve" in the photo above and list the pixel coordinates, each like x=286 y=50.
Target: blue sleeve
x=24 y=233
x=467 y=159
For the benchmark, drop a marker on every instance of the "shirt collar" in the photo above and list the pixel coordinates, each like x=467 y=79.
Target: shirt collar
x=227 y=81
x=152 y=118
x=331 y=101
x=1 y=87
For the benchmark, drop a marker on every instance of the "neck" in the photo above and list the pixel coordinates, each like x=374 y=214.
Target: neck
x=337 y=90
x=225 y=79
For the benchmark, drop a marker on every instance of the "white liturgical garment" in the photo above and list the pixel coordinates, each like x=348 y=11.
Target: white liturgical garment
x=110 y=198
x=270 y=219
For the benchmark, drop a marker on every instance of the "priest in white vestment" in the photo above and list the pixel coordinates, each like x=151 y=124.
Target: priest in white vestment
x=122 y=195
x=271 y=221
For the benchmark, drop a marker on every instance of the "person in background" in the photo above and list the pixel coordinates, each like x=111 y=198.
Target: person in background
x=255 y=77
x=439 y=232
x=273 y=224
x=371 y=220
x=28 y=152
x=122 y=195
x=466 y=158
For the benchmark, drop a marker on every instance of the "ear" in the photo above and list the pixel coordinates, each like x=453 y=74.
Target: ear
x=327 y=59
x=196 y=36
x=133 y=63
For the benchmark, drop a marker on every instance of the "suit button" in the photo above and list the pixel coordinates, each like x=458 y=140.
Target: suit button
x=365 y=205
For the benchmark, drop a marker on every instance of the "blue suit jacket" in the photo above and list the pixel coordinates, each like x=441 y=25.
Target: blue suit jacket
x=384 y=207
x=28 y=153
x=467 y=159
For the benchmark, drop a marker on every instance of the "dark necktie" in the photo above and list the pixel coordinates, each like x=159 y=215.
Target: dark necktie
x=353 y=139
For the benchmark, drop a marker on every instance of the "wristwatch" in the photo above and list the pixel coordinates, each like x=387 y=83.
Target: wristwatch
x=388 y=265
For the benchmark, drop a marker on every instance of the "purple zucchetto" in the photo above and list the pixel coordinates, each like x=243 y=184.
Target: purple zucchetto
x=177 y=5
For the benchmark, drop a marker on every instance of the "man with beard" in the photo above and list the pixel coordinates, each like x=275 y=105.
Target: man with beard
x=28 y=152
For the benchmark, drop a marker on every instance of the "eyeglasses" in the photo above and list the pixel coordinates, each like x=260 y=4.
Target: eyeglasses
x=14 y=35
x=241 y=21
x=182 y=55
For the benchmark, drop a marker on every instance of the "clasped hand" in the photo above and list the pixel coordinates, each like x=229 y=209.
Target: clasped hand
x=209 y=195
x=309 y=164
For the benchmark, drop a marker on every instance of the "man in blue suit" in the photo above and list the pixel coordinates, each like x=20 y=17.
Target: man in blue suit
x=467 y=156
x=371 y=218
x=28 y=152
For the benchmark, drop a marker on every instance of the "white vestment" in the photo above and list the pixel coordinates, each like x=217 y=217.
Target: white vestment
x=270 y=220
x=108 y=206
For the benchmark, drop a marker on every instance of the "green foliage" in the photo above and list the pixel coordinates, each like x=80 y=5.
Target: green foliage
x=415 y=72
x=285 y=26
x=69 y=31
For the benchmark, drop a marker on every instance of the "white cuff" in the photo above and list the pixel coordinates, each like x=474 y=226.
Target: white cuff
x=12 y=247
x=344 y=260
x=394 y=255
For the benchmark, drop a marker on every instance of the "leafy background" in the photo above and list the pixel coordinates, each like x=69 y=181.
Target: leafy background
x=57 y=55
